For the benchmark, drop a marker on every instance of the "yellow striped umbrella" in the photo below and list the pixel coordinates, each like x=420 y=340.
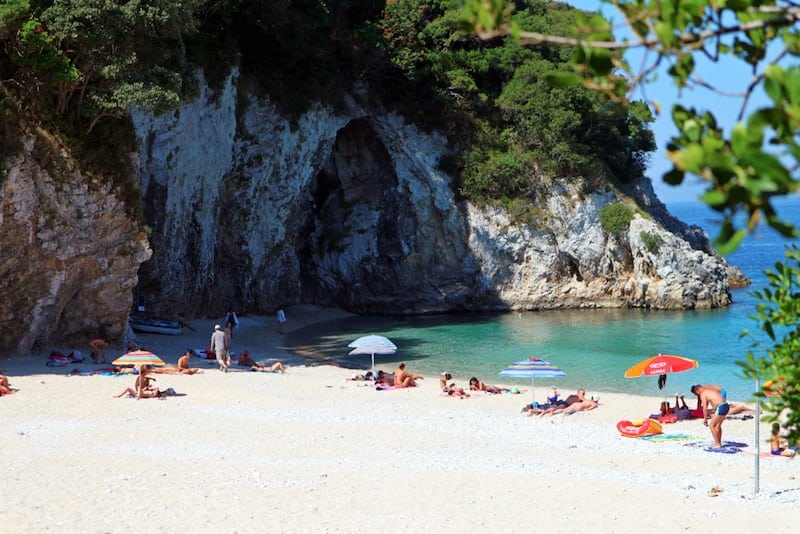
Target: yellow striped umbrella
x=138 y=357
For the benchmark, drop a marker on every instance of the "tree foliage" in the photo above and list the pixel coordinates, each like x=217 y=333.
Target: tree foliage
x=778 y=315
x=521 y=128
x=96 y=58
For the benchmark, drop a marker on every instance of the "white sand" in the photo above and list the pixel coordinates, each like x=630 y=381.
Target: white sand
x=309 y=451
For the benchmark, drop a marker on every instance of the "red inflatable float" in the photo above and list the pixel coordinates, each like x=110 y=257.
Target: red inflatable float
x=637 y=429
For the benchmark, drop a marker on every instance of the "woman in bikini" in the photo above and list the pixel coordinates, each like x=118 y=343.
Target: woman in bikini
x=477 y=385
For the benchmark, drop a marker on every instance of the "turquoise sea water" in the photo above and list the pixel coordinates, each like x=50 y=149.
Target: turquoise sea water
x=593 y=347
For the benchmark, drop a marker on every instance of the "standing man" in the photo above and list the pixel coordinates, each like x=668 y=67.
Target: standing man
x=99 y=346
x=714 y=397
x=232 y=320
x=220 y=348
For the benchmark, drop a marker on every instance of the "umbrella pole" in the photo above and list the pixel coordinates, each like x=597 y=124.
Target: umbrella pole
x=373 y=361
x=758 y=445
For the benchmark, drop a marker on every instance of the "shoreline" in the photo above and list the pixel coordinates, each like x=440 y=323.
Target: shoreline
x=310 y=450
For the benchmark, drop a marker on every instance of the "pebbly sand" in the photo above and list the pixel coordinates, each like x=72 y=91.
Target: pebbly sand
x=309 y=451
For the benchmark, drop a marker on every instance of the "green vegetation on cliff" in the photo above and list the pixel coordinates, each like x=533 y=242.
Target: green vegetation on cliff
x=78 y=64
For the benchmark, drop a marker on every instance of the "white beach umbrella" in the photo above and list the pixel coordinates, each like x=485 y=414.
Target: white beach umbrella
x=372 y=345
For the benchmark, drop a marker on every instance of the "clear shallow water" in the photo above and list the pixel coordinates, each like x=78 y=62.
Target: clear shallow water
x=594 y=347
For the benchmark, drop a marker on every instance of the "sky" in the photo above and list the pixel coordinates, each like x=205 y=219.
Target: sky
x=731 y=76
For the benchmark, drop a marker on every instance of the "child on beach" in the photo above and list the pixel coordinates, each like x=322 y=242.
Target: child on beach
x=443 y=378
x=778 y=445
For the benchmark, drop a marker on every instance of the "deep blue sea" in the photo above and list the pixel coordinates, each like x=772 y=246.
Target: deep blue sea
x=593 y=347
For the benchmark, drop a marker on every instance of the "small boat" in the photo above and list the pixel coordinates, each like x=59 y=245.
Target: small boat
x=154 y=326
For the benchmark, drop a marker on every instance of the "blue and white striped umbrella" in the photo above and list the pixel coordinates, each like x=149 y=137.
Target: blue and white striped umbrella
x=533 y=368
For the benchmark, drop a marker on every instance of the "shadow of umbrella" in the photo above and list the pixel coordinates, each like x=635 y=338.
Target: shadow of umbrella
x=372 y=345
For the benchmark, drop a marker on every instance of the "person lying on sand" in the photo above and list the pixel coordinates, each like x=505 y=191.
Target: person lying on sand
x=574 y=403
x=361 y=377
x=275 y=367
x=384 y=379
x=477 y=385
x=404 y=379
x=456 y=391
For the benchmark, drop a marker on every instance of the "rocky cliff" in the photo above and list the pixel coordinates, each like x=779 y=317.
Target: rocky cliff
x=70 y=254
x=254 y=210
x=346 y=206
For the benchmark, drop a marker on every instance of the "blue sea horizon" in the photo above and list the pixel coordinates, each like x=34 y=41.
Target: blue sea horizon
x=593 y=347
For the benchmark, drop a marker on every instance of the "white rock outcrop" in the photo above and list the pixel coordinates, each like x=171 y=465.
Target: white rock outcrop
x=256 y=210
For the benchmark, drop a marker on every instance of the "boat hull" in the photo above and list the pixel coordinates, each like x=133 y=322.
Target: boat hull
x=155 y=326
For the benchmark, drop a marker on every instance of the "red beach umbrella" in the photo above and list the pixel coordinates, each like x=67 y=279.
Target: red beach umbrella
x=661 y=364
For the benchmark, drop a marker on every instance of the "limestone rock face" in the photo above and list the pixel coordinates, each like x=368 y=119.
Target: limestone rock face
x=349 y=206
x=70 y=254
x=257 y=211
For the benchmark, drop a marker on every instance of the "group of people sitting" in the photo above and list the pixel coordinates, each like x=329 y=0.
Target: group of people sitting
x=682 y=411
x=400 y=378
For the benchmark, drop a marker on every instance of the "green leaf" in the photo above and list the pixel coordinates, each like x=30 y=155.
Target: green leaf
x=563 y=79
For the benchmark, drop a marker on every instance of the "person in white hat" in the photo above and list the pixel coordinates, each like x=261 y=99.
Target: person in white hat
x=220 y=347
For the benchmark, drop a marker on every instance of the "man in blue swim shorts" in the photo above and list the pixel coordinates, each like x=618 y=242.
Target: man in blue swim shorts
x=711 y=397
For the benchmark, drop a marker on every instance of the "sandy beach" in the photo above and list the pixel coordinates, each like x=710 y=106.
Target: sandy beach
x=310 y=451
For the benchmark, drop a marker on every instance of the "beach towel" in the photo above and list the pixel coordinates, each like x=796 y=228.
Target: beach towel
x=723 y=449
x=386 y=387
x=728 y=447
x=669 y=437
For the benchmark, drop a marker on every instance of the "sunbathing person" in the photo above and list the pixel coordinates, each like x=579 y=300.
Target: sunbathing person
x=443 y=378
x=384 y=379
x=274 y=368
x=404 y=379
x=578 y=398
x=143 y=389
x=183 y=364
x=245 y=359
x=477 y=385
x=456 y=391
x=5 y=387
x=361 y=377
x=778 y=445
